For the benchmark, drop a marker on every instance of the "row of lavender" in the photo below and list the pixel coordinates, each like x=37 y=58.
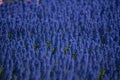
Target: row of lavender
x=60 y=40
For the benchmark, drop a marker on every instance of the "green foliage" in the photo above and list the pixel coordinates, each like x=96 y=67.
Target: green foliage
x=25 y=45
x=1 y=71
x=9 y=35
x=89 y=50
x=107 y=29
x=78 y=75
x=53 y=50
x=73 y=55
x=51 y=73
x=56 y=63
x=48 y=43
x=40 y=78
x=14 y=74
x=65 y=49
x=101 y=73
x=110 y=78
x=67 y=69
x=35 y=45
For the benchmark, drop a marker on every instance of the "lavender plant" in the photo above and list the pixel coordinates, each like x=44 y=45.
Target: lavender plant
x=60 y=40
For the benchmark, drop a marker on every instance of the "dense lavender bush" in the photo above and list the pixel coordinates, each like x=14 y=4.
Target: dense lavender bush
x=60 y=40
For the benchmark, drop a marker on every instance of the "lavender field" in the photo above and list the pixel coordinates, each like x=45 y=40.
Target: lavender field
x=60 y=40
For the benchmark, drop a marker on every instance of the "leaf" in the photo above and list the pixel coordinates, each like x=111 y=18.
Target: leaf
x=35 y=45
x=48 y=43
x=53 y=50
x=51 y=73
x=73 y=55
x=9 y=35
x=101 y=73
x=65 y=49
x=1 y=71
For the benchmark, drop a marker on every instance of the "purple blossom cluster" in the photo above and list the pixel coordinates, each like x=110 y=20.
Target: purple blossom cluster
x=60 y=40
